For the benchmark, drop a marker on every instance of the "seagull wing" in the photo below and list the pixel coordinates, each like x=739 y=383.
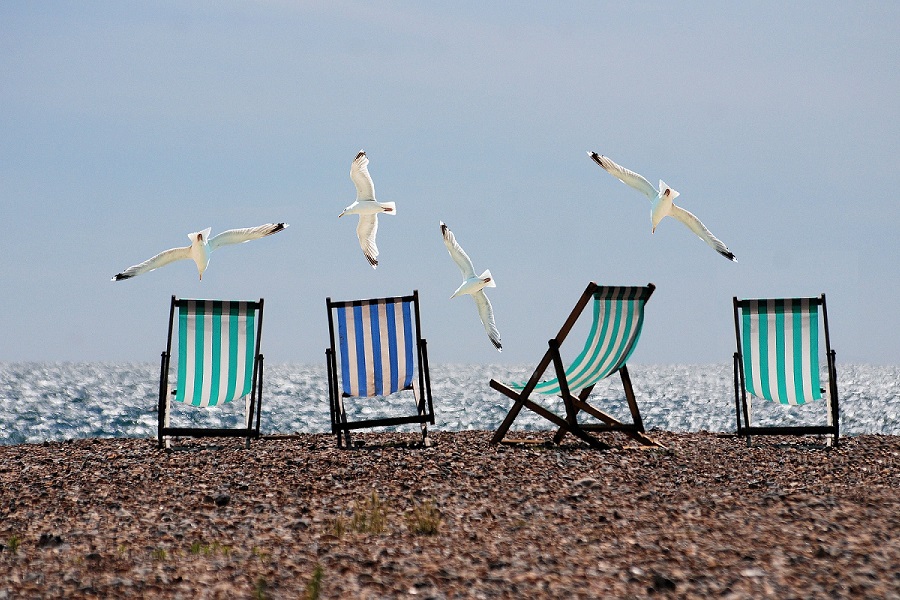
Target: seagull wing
x=160 y=260
x=486 y=312
x=638 y=182
x=458 y=255
x=365 y=231
x=359 y=173
x=694 y=224
x=239 y=236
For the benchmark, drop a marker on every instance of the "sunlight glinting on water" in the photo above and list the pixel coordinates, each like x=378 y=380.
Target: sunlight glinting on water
x=57 y=401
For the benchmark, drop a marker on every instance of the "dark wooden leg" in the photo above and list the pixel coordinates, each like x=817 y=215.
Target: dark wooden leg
x=632 y=403
x=511 y=415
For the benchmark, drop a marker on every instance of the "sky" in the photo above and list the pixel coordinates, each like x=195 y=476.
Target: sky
x=124 y=126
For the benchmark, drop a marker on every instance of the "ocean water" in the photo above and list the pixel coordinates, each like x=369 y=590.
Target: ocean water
x=58 y=401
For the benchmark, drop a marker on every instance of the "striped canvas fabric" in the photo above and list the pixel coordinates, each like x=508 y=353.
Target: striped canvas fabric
x=780 y=349
x=216 y=346
x=377 y=346
x=615 y=329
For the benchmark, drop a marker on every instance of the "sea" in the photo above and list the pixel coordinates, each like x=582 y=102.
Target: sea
x=42 y=402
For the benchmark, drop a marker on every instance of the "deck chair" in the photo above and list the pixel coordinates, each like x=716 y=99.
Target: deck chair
x=218 y=362
x=777 y=360
x=382 y=353
x=618 y=315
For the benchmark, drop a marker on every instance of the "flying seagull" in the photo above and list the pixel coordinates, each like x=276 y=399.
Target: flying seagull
x=366 y=207
x=662 y=203
x=472 y=285
x=200 y=249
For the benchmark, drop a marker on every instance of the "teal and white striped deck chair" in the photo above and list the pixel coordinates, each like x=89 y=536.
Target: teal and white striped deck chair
x=618 y=316
x=777 y=360
x=382 y=353
x=218 y=361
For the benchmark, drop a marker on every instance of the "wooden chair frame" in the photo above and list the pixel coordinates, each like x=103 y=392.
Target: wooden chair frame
x=251 y=430
x=341 y=425
x=574 y=402
x=742 y=409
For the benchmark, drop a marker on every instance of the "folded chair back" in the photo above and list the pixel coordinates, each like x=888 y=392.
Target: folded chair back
x=777 y=360
x=218 y=361
x=381 y=353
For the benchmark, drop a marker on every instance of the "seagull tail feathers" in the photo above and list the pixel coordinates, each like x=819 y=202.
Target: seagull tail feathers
x=487 y=275
x=663 y=187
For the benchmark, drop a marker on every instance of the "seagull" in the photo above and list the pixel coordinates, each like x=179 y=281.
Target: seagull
x=472 y=285
x=662 y=203
x=200 y=249
x=366 y=207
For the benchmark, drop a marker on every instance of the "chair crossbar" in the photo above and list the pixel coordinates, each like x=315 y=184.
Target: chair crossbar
x=209 y=432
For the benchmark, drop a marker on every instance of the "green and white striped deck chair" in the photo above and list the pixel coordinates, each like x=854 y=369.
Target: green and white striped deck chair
x=618 y=316
x=382 y=353
x=218 y=362
x=777 y=360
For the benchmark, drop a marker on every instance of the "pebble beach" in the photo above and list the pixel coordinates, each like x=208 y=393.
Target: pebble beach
x=296 y=517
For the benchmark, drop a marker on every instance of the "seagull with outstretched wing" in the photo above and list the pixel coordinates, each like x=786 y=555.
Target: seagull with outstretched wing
x=200 y=249
x=473 y=285
x=367 y=207
x=663 y=205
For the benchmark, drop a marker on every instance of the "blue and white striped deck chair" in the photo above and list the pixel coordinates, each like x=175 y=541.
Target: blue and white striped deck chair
x=218 y=361
x=618 y=316
x=382 y=353
x=777 y=360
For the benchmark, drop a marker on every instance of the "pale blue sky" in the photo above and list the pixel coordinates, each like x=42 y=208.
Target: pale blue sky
x=126 y=125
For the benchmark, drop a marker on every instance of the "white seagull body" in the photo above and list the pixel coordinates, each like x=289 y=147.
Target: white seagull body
x=473 y=285
x=200 y=249
x=366 y=207
x=663 y=205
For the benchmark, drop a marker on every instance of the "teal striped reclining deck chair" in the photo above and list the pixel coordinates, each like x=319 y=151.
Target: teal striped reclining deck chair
x=777 y=360
x=618 y=316
x=382 y=353
x=218 y=362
